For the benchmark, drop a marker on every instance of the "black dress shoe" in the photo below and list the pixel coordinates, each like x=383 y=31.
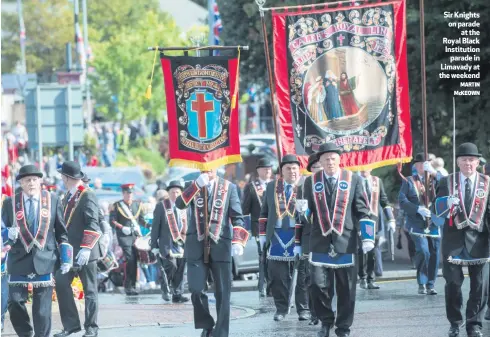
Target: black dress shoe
x=343 y=334
x=278 y=317
x=91 y=332
x=363 y=284
x=65 y=333
x=372 y=285
x=304 y=316
x=431 y=291
x=314 y=321
x=262 y=294
x=487 y=315
x=179 y=299
x=166 y=297
x=474 y=333
x=324 y=332
x=453 y=332
x=206 y=332
x=422 y=289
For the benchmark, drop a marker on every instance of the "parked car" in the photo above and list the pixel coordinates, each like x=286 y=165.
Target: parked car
x=117 y=175
x=268 y=139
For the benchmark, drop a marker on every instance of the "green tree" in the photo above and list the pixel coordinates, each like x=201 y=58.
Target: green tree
x=123 y=68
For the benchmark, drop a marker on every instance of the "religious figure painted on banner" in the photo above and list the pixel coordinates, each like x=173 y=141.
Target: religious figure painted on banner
x=316 y=98
x=332 y=100
x=347 y=97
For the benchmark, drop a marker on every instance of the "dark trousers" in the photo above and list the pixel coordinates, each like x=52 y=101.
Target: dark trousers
x=281 y=276
x=263 y=279
x=427 y=259
x=411 y=244
x=66 y=302
x=309 y=289
x=197 y=274
x=41 y=311
x=366 y=263
x=323 y=291
x=174 y=275
x=131 y=267
x=475 y=307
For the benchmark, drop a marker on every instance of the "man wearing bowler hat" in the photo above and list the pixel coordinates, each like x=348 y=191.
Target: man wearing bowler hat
x=251 y=204
x=126 y=217
x=424 y=233
x=278 y=218
x=168 y=232
x=81 y=214
x=462 y=199
x=33 y=232
x=339 y=211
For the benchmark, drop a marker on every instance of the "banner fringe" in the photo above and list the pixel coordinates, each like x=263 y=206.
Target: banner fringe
x=210 y=165
x=379 y=164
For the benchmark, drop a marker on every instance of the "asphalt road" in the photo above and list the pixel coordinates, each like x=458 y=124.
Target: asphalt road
x=394 y=310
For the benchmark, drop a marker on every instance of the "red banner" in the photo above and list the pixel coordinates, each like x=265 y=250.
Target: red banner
x=202 y=120
x=341 y=76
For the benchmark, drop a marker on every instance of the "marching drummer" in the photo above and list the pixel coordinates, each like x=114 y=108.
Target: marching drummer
x=126 y=217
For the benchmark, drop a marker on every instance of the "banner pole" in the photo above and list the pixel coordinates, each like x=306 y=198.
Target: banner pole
x=424 y=102
x=260 y=3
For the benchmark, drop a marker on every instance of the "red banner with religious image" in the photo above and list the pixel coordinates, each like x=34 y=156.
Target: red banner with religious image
x=202 y=112
x=341 y=76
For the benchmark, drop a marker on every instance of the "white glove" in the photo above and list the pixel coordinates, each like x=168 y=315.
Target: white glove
x=137 y=231
x=13 y=233
x=381 y=240
x=262 y=240
x=126 y=230
x=424 y=212
x=297 y=251
x=65 y=268
x=202 y=180
x=392 y=225
x=237 y=249
x=155 y=251
x=452 y=201
x=428 y=168
x=83 y=256
x=301 y=205
x=367 y=246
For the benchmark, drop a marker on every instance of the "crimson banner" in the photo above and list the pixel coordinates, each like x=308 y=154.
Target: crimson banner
x=341 y=76
x=202 y=121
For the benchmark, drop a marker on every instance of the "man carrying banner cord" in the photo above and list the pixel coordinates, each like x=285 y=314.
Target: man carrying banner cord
x=251 y=204
x=215 y=233
x=302 y=237
x=376 y=197
x=339 y=211
x=81 y=215
x=425 y=234
x=462 y=199
x=278 y=218
x=33 y=233
x=168 y=233
x=126 y=217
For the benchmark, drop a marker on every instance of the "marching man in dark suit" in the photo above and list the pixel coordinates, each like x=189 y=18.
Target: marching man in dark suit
x=462 y=199
x=168 y=232
x=376 y=197
x=339 y=212
x=277 y=223
x=424 y=233
x=214 y=234
x=81 y=214
x=251 y=204
x=33 y=233
x=126 y=217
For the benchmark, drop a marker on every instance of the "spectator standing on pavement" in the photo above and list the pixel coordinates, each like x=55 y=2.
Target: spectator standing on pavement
x=438 y=164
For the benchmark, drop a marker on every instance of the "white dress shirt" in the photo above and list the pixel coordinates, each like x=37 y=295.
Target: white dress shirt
x=462 y=182
x=27 y=205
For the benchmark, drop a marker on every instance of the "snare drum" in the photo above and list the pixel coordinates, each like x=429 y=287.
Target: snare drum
x=142 y=245
x=107 y=263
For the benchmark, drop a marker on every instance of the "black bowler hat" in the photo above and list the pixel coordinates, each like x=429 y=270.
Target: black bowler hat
x=419 y=158
x=127 y=188
x=175 y=184
x=71 y=169
x=328 y=147
x=28 y=170
x=467 y=150
x=312 y=160
x=263 y=162
x=289 y=159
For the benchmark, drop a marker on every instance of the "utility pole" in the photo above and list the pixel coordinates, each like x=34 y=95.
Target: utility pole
x=22 y=38
x=87 y=80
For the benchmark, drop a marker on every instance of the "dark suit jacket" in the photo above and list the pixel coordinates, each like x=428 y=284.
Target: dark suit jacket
x=85 y=217
x=383 y=202
x=454 y=239
x=117 y=220
x=251 y=205
x=357 y=208
x=37 y=261
x=305 y=221
x=221 y=251
x=161 y=237
x=409 y=202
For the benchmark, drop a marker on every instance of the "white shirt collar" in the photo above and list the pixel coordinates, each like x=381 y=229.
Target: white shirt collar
x=26 y=197
x=335 y=176
x=462 y=179
x=263 y=182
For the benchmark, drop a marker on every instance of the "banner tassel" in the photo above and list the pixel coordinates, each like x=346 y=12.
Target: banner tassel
x=148 y=89
x=235 y=94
